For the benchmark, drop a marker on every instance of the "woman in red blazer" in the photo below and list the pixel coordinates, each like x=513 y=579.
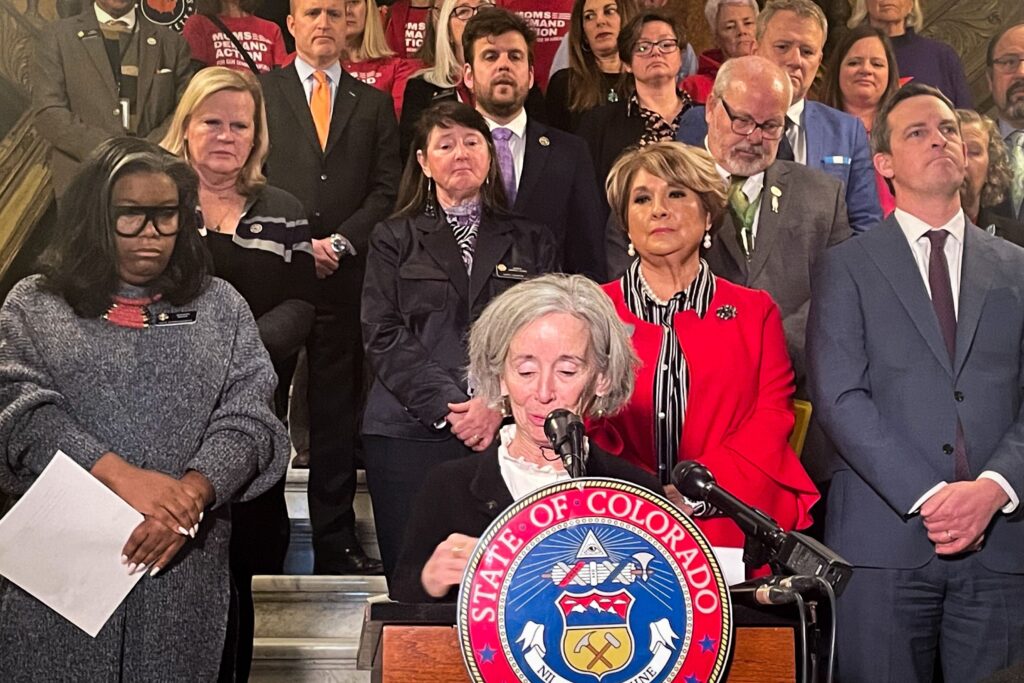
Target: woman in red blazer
x=715 y=380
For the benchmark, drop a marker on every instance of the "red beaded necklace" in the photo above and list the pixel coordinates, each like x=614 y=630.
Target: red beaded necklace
x=125 y=312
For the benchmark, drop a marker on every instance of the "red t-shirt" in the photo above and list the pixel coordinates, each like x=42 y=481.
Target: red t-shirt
x=262 y=39
x=550 y=20
x=388 y=74
x=404 y=27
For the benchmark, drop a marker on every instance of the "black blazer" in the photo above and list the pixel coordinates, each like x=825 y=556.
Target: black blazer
x=556 y=189
x=464 y=496
x=418 y=305
x=420 y=94
x=347 y=188
x=1001 y=225
x=608 y=130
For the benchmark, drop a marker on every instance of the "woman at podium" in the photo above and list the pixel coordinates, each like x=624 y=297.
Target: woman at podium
x=548 y=343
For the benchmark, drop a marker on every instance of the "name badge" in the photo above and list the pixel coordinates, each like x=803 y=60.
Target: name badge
x=510 y=272
x=176 y=318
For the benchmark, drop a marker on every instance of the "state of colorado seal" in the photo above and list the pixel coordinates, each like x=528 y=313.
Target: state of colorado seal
x=594 y=580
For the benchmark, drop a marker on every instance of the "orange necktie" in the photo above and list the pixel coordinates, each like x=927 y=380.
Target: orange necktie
x=320 y=106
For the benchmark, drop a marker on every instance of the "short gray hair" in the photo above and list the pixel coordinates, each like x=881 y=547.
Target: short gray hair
x=711 y=8
x=802 y=8
x=859 y=14
x=609 y=348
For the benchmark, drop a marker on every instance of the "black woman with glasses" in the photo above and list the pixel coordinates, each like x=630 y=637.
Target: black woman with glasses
x=130 y=358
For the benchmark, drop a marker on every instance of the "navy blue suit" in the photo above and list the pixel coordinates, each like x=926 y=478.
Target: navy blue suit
x=556 y=189
x=886 y=392
x=836 y=144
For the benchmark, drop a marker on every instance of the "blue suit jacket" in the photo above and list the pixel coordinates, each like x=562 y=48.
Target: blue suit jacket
x=836 y=144
x=885 y=391
x=557 y=190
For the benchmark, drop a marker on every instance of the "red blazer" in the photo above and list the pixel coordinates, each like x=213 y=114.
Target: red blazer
x=738 y=413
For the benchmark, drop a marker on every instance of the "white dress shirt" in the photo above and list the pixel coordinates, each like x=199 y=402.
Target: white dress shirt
x=306 y=72
x=520 y=476
x=516 y=141
x=797 y=133
x=915 y=230
x=102 y=17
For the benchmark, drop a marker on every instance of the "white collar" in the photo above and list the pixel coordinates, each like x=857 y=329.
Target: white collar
x=795 y=113
x=727 y=177
x=1006 y=129
x=914 y=228
x=102 y=17
x=516 y=125
x=306 y=70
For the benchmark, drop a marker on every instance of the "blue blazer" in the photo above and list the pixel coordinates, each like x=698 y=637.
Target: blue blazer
x=885 y=391
x=836 y=144
x=557 y=190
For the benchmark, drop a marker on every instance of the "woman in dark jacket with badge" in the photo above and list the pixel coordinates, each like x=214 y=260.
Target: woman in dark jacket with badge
x=449 y=249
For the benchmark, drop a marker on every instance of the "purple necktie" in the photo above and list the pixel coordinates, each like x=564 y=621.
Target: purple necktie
x=942 y=302
x=505 y=163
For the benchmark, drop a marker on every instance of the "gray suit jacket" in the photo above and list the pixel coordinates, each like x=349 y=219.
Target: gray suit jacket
x=75 y=96
x=887 y=394
x=811 y=216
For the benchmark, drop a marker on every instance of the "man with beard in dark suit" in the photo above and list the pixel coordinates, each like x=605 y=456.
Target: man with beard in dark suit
x=548 y=174
x=334 y=145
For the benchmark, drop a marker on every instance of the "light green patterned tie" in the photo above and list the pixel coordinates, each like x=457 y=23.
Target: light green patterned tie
x=743 y=211
x=1016 y=141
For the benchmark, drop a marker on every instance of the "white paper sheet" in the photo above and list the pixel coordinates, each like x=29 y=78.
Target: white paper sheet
x=731 y=562
x=62 y=543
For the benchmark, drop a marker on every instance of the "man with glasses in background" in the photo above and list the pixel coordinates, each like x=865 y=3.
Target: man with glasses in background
x=791 y=33
x=1006 y=80
x=782 y=215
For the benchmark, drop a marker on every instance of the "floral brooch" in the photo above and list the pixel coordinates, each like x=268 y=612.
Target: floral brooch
x=726 y=312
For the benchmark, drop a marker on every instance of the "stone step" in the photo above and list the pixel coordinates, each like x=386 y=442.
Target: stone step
x=307 y=627
x=310 y=660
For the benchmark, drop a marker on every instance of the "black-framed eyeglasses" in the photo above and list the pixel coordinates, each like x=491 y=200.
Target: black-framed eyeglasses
x=1007 y=64
x=467 y=12
x=742 y=125
x=130 y=221
x=646 y=48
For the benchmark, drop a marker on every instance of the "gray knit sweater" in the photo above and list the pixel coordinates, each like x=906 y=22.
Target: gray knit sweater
x=166 y=398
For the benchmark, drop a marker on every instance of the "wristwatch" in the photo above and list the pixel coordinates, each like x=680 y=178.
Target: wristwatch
x=341 y=246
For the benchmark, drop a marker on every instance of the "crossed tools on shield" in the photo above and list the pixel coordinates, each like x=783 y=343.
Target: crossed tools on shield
x=610 y=642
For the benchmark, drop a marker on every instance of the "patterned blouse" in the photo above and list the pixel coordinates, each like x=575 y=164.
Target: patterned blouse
x=656 y=128
x=672 y=382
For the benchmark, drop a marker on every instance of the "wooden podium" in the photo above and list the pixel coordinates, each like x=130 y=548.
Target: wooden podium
x=403 y=643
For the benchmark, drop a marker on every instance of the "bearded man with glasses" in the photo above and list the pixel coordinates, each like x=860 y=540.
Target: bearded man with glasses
x=1006 y=80
x=782 y=215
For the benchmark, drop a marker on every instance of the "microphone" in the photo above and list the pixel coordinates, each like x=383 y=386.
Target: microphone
x=789 y=553
x=776 y=590
x=695 y=482
x=565 y=431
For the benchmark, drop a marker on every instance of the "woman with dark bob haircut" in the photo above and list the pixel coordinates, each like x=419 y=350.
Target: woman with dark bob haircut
x=860 y=75
x=128 y=357
x=431 y=269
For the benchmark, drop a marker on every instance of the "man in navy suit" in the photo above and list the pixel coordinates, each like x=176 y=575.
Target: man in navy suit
x=548 y=174
x=916 y=364
x=792 y=33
